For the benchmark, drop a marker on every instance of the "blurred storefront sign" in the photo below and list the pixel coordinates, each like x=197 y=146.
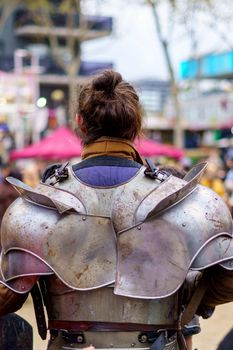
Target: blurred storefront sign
x=156 y=121
x=213 y=65
x=206 y=111
x=213 y=111
x=18 y=93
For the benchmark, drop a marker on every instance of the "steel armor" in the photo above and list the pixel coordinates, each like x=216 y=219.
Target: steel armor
x=113 y=259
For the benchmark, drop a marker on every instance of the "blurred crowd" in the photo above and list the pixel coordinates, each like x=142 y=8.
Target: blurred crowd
x=219 y=175
x=219 y=172
x=29 y=172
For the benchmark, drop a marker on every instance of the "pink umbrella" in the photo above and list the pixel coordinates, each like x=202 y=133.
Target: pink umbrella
x=149 y=148
x=61 y=144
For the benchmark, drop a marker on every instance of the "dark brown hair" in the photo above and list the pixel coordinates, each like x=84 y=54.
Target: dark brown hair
x=109 y=106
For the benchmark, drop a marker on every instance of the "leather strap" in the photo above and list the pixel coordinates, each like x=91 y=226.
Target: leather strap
x=39 y=311
x=195 y=300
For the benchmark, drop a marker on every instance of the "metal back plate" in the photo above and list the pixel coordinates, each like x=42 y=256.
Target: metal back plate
x=95 y=305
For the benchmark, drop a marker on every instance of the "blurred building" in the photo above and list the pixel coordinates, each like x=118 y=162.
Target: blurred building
x=209 y=66
x=26 y=53
x=21 y=31
x=207 y=98
x=154 y=95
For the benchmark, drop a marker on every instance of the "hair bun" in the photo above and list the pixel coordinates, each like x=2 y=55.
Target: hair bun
x=107 y=81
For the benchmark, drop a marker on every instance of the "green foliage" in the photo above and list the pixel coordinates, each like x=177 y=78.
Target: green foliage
x=42 y=11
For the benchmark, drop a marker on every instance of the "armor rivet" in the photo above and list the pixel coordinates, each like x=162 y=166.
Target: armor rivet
x=132 y=345
x=143 y=338
x=79 y=339
x=183 y=224
x=139 y=228
x=22 y=287
x=84 y=218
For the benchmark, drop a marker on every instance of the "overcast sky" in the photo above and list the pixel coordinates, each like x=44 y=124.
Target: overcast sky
x=134 y=47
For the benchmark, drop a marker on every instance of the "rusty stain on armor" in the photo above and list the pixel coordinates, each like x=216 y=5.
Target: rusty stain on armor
x=107 y=261
x=217 y=222
x=125 y=250
x=136 y=195
x=51 y=252
x=79 y=275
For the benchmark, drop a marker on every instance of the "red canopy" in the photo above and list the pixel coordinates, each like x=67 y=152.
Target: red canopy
x=149 y=148
x=64 y=144
x=61 y=144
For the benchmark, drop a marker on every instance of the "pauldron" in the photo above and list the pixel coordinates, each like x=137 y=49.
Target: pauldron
x=143 y=235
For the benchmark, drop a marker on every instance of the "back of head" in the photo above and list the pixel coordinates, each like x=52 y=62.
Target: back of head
x=109 y=106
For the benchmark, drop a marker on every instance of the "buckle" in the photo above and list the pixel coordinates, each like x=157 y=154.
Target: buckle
x=153 y=171
x=73 y=337
x=60 y=174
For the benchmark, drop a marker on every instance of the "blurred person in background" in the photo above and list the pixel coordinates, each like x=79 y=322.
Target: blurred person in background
x=15 y=332
x=6 y=143
x=108 y=243
x=212 y=180
x=228 y=182
x=7 y=193
x=31 y=174
x=186 y=163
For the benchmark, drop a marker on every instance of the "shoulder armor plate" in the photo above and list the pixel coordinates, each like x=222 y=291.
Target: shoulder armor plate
x=143 y=234
x=160 y=251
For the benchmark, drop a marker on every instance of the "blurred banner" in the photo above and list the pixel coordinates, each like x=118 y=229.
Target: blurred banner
x=212 y=110
x=18 y=96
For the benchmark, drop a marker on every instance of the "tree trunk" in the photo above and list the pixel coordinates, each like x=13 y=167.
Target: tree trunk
x=178 y=129
x=72 y=98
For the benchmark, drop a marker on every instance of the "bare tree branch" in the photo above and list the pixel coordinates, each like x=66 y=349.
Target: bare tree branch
x=178 y=131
